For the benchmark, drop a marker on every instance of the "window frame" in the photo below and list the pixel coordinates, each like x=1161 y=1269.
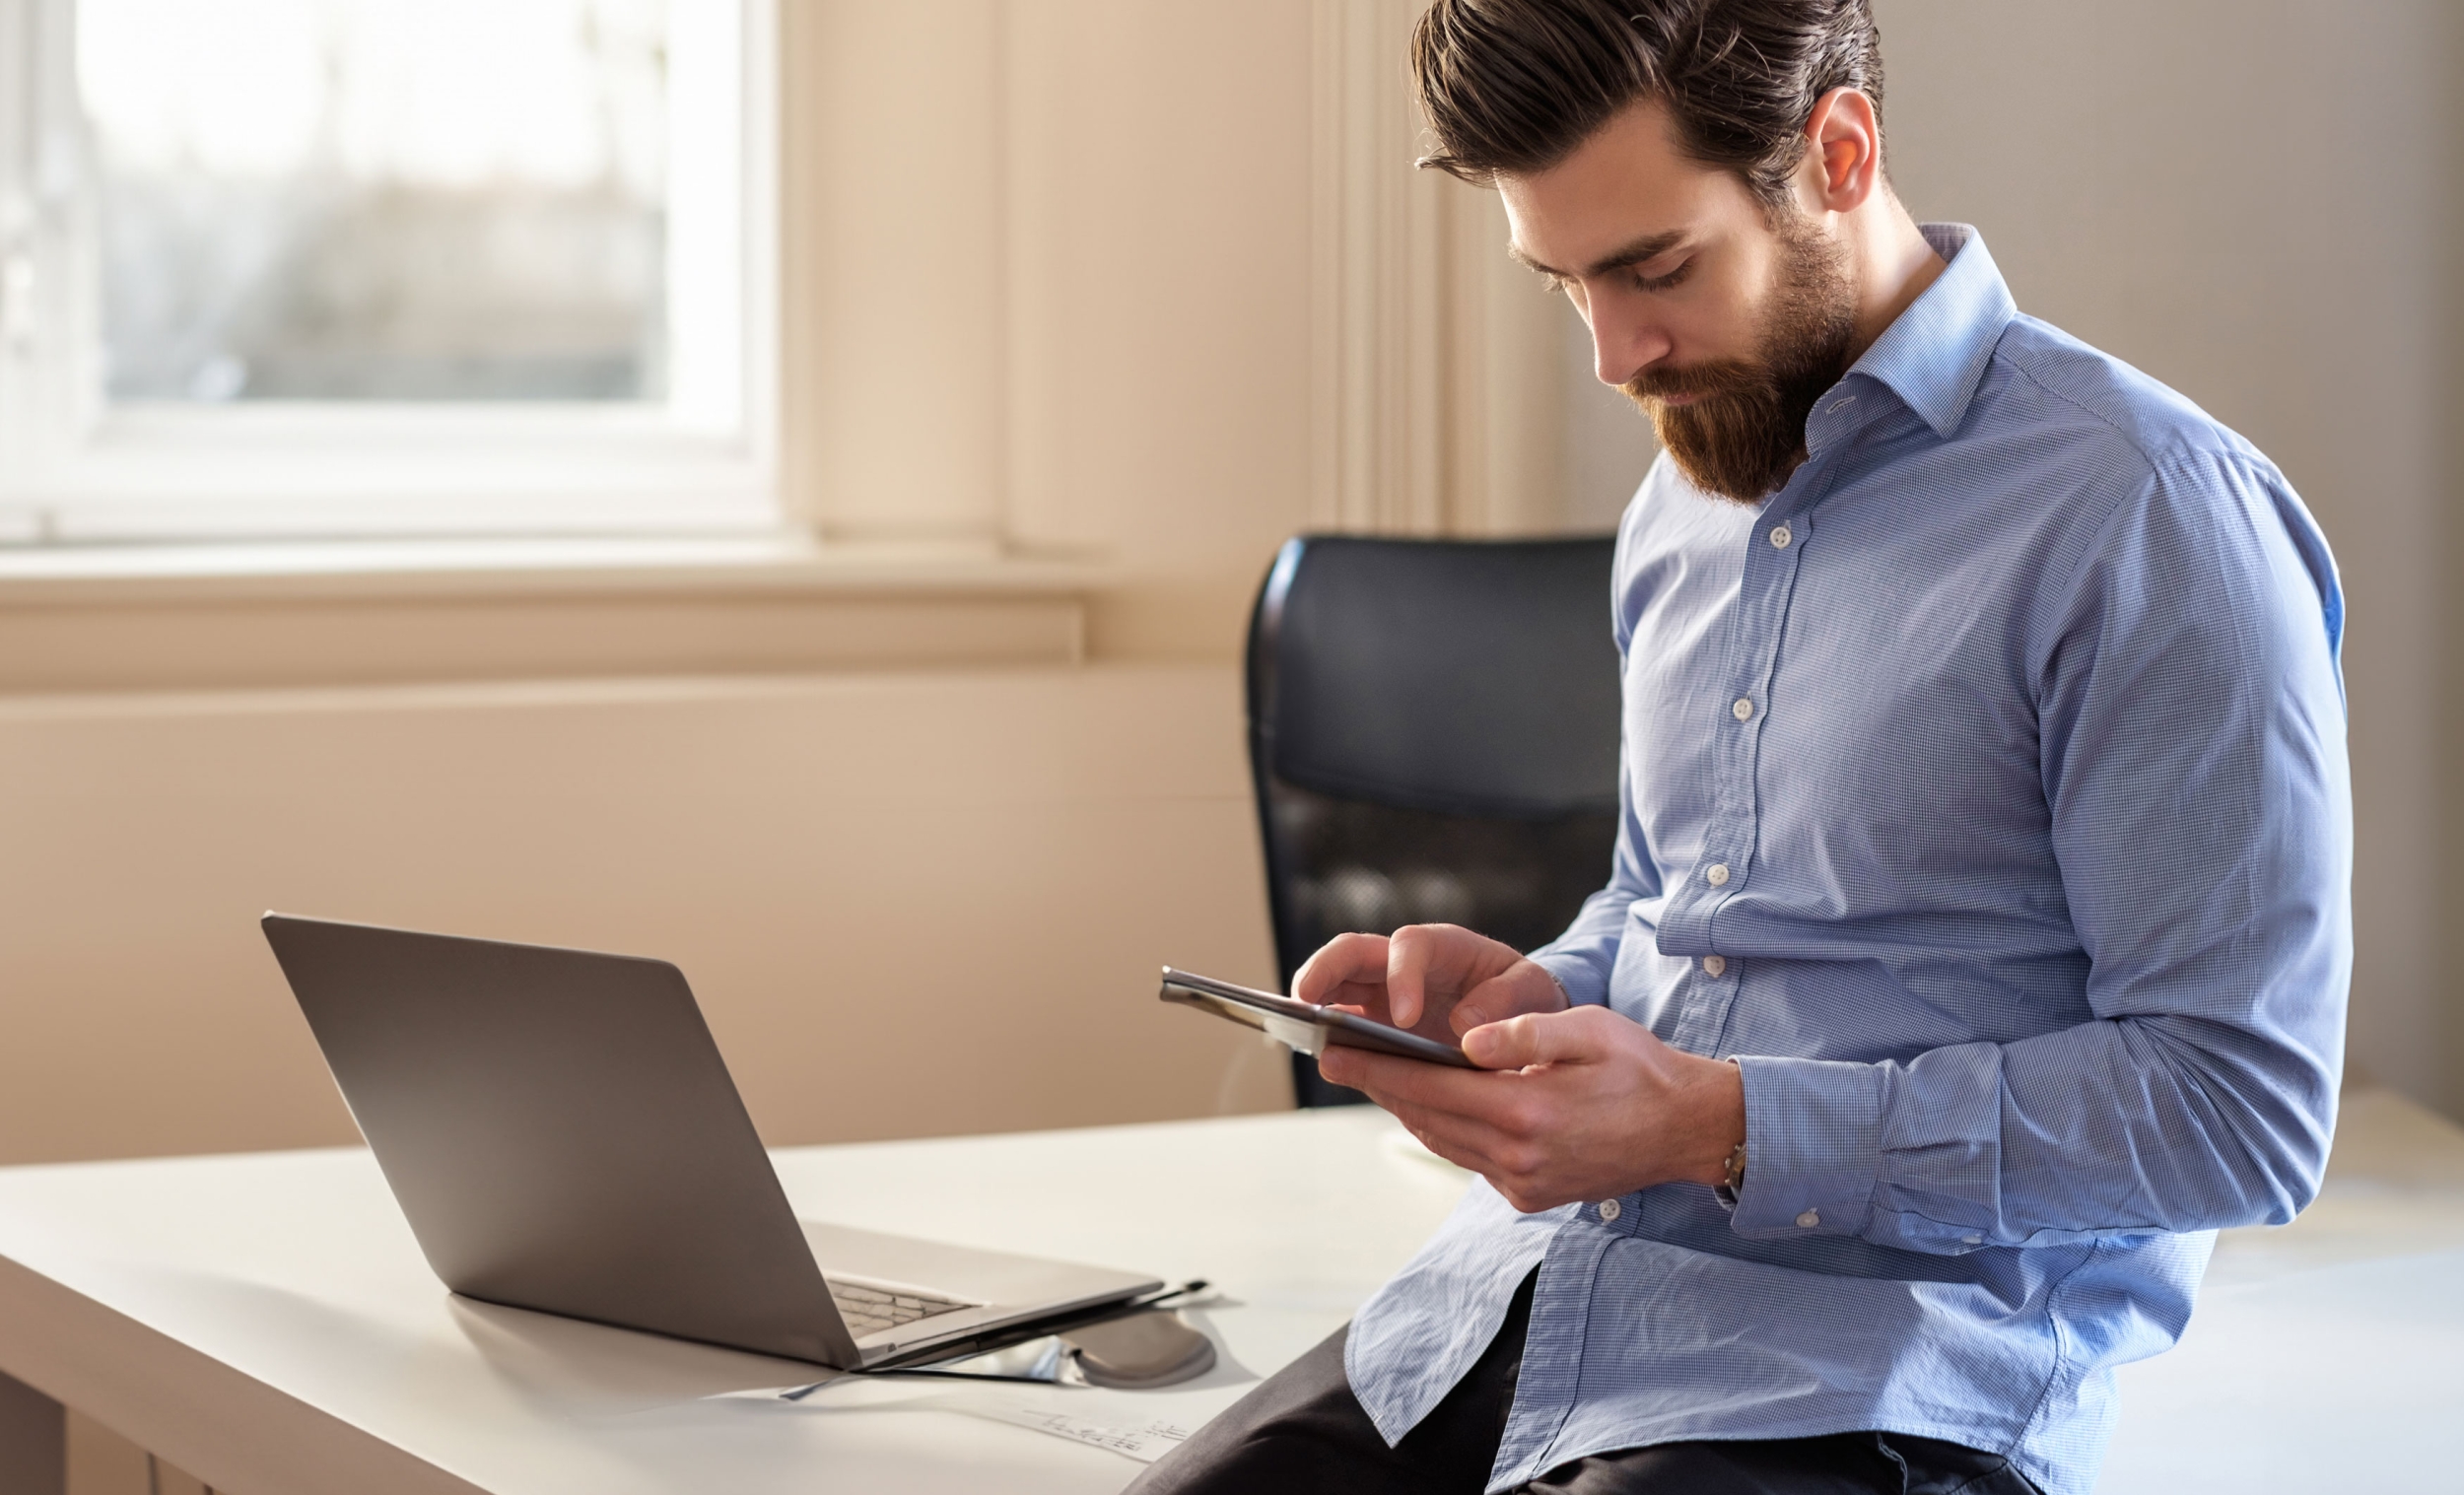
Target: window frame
x=75 y=469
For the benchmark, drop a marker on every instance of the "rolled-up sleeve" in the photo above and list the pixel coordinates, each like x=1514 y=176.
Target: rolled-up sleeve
x=2192 y=736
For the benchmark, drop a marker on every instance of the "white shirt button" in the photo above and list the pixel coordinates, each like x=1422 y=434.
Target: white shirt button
x=1610 y=1210
x=1716 y=874
x=1715 y=965
x=1810 y=1219
x=1971 y=1240
x=1780 y=536
x=1744 y=710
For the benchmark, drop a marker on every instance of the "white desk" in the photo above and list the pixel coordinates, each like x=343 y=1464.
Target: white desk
x=267 y=1322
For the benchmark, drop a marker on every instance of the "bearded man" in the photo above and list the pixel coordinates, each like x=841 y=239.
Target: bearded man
x=1980 y=929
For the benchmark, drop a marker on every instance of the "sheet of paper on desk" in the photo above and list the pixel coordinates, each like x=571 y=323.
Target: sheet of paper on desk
x=1160 y=1436
x=1141 y=1425
x=1128 y=1423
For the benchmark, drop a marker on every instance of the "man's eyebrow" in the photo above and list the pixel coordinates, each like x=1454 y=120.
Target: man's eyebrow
x=1651 y=247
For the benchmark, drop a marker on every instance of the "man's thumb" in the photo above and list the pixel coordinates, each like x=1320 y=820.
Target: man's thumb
x=1534 y=1038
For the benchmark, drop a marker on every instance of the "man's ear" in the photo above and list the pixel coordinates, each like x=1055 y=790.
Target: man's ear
x=1843 y=163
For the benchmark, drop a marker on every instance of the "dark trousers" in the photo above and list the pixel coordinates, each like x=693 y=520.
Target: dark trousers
x=1301 y=1431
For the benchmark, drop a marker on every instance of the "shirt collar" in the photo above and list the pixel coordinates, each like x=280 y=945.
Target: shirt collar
x=1935 y=354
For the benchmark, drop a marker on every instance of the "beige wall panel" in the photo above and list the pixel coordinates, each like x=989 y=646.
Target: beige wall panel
x=1607 y=444
x=909 y=905
x=1050 y=47
x=2249 y=199
x=1508 y=401
x=1166 y=407
x=896 y=244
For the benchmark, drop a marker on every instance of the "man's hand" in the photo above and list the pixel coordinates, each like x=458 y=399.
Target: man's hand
x=1568 y=1106
x=1439 y=980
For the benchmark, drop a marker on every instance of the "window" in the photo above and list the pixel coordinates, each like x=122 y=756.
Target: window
x=306 y=268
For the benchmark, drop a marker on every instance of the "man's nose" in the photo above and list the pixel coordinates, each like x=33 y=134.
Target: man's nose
x=1624 y=343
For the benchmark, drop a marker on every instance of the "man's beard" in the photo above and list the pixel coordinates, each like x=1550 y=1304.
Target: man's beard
x=1748 y=432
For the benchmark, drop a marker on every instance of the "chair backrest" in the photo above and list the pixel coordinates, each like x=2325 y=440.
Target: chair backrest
x=1433 y=738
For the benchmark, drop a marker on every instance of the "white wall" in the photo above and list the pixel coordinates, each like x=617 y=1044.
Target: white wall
x=2251 y=200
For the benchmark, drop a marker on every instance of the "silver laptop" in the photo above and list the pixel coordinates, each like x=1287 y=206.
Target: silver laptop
x=563 y=1136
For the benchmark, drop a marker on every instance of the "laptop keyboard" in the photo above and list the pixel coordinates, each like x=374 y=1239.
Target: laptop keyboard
x=868 y=1309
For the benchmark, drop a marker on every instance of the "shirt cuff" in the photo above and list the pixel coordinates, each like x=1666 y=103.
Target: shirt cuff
x=1586 y=987
x=1814 y=1147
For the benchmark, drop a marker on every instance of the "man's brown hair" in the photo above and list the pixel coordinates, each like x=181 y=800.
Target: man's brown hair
x=1512 y=86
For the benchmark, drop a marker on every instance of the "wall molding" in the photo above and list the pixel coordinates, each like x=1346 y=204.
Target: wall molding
x=927 y=235
x=1437 y=367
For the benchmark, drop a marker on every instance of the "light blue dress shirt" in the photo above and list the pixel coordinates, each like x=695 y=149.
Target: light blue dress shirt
x=1985 y=796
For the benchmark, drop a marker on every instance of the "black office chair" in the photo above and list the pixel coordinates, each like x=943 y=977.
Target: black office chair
x=1433 y=737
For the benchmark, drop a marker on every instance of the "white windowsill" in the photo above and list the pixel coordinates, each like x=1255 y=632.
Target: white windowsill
x=83 y=575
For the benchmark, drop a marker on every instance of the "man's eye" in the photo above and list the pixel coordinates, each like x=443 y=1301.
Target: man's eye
x=1667 y=282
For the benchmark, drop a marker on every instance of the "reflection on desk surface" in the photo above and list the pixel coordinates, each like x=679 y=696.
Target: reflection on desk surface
x=2324 y=1354
x=2395 y=1188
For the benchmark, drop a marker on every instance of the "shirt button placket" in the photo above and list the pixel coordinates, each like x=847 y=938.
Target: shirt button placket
x=1762 y=606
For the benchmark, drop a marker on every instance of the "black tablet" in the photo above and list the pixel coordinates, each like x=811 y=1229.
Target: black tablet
x=1301 y=1026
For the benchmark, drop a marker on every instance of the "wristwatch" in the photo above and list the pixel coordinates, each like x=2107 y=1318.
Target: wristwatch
x=1733 y=1177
